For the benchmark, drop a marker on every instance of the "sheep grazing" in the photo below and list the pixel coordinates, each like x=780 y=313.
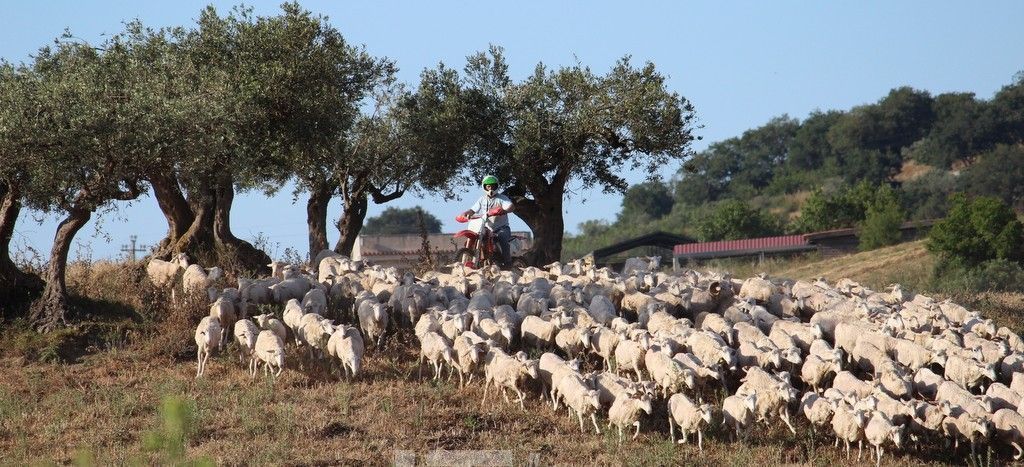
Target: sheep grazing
x=346 y=345
x=270 y=351
x=164 y=273
x=690 y=417
x=468 y=355
x=1009 y=428
x=579 y=398
x=197 y=279
x=603 y=342
x=968 y=373
x=879 y=430
x=848 y=425
x=539 y=333
x=816 y=409
x=505 y=372
x=434 y=348
x=625 y=411
x=758 y=289
x=245 y=333
x=630 y=354
x=269 y=322
x=373 y=320
x=966 y=426
x=815 y=371
x=208 y=335
x=668 y=373
x=738 y=413
x=224 y=311
x=573 y=341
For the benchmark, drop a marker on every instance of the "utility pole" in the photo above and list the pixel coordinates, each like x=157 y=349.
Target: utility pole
x=131 y=247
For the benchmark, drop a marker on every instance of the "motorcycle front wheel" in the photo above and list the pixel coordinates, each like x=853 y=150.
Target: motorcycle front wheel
x=466 y=255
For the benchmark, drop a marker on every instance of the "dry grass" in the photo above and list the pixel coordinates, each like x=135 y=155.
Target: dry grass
x=105 y=406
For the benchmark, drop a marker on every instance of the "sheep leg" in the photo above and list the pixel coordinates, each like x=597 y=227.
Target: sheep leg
x=199 y=362
x=637 y=432
x=685 y=436
x=860 y=449
x=671 y=429
x=1020 y=451
x=593 y=419
x=279 y=370
x=785 y=418
x=700 y=440
x=880 y=453
x=579 y=415
x=522 y=397
x=487 y=385
x=504 y=393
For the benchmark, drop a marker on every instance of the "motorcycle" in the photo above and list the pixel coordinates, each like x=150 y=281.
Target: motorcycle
x=479 y=244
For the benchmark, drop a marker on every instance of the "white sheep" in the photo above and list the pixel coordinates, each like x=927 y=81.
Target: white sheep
x=245 y=333
x=803 y=334
x=690 y=417
x=538 y=332
x=434 y=348
x=711 y=349
x=346 y=345
x=373 y=321
x=288 y=289
x=968 y=372
x=738 y=413
x=1009 y=428
x=881 y=429
x=505 y=372
x=197 y=279
x=967 y=426
x=164 y=273
x=573 y=341
x=629 y=354
x=668 y=373
x=815 y=371
x=208 y=335
x=579 y=398
x=850 y=384
x=468 y=355
x=848 y=425
x=270 y=351
x=750 y=354
x=717 y=324
x=224 y=310
x=603 y=342
x=269 y=322
x=625 y=411
x=817 y=409
x=315 y=301
x=551 y=370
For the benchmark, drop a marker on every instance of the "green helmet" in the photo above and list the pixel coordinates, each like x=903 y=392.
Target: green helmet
x=489 y=180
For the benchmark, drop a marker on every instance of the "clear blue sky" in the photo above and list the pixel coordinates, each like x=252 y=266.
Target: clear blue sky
x=740 y=63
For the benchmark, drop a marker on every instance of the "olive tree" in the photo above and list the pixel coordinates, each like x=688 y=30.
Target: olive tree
x=569 y=124
x=85 y=146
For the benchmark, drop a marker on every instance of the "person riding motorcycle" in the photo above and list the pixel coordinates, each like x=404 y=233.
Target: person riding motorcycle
x=497 y=206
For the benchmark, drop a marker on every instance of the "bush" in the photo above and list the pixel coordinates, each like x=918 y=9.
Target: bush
x=845 y=207
x=734 y=219
x=881 y=226
x=976 y=231
x=997 y=275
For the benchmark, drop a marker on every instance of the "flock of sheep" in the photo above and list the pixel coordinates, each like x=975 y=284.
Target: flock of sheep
x=875 y=367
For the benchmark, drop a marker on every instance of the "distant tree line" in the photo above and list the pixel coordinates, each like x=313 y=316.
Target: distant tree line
x=240 y=103
x=879 y=164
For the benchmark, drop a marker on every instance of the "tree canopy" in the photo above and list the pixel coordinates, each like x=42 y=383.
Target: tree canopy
x=402 y=221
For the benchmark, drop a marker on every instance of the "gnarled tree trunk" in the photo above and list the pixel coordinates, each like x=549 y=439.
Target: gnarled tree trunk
x=50 y=310
x=316 y=220
x=200 y=226
x=15 y=286
x=351 y=223
x=543 y=215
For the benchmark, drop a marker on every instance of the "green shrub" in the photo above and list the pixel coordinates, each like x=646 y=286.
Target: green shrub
x=881 y=226
x=976 y=231
x=997 y=275
x=734 y=219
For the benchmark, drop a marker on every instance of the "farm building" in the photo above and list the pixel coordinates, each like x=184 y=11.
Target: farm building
x=404 y=250
x=830 y=242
